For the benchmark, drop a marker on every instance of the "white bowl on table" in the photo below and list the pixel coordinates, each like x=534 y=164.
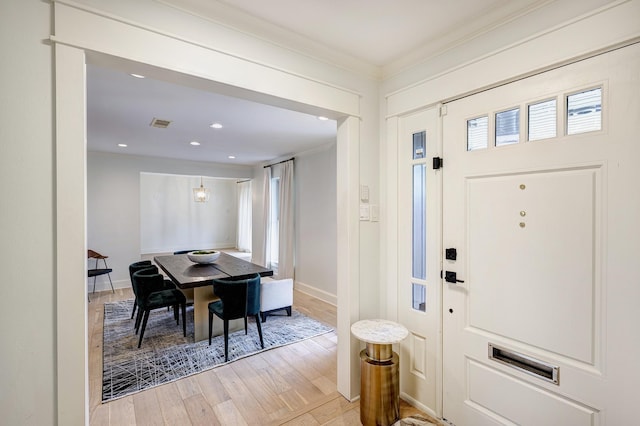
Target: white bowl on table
x=203 y=256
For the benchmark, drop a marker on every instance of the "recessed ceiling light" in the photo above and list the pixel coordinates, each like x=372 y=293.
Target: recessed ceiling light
x=137 y=75
x=322 y=118
x=231 y=157
x=194 y=143
x=216 y=126
x=122 y=145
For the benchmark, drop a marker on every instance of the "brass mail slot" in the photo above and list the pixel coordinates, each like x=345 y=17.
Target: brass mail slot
x=525 y=363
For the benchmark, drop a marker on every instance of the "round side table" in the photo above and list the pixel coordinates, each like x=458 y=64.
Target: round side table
x=379 y=370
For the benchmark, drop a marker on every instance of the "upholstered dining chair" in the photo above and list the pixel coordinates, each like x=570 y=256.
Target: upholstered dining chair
x=138 y=266
x=151 y=294
x=95 y=272
x=238 y=299
x=275 y=295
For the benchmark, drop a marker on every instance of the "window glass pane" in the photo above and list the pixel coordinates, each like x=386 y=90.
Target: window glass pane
x=419 y=297
x=477 y=133
x=274 y=224
x=584 y=111
x=542 y=120
x=419 y=237
x=508 y=127
x=419 y=140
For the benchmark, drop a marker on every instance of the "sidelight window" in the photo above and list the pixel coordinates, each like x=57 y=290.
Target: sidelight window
x=419 y=222
x=419 y=140
x=419 y=297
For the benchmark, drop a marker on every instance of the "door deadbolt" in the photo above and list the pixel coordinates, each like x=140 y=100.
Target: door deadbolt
x=451 y=254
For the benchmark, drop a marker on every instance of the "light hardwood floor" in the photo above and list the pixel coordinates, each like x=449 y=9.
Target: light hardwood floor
x=290 y=385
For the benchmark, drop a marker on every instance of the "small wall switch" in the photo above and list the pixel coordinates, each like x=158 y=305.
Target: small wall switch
x=364 y=212
x=374 y=213
x=364 y=193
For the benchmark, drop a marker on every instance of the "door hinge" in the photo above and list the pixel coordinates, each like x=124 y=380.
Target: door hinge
x=443 y=110
x=437 y=163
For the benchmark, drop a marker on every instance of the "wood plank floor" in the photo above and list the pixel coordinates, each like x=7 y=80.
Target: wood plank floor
x=291 y=385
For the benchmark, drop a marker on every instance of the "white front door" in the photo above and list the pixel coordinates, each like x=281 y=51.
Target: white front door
x=541 y=199
x=419 y=295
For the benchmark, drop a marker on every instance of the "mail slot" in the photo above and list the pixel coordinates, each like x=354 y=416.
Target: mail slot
x=525 y=363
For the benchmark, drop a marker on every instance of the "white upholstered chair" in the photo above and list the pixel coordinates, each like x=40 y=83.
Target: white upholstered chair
x=275 y=295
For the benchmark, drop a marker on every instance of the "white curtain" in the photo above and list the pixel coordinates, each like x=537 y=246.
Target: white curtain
x=265 y=259
x=286 y=231
x=243 y=242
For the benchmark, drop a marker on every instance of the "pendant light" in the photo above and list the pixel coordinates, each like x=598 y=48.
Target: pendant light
x=201 y=195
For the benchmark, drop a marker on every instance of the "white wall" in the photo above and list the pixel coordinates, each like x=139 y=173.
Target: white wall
x=27 y=205
x=315 y=215
x=113 y=203
x=484 y=44
x=171 y=220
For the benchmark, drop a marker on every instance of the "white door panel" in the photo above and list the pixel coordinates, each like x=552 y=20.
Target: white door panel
x=542 y=327
x=419 y=230
x=516 y=399
x=526 y=215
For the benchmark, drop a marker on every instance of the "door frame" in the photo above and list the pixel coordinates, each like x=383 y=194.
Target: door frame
x=80 y=31
x=432 y=126
x=503 y=66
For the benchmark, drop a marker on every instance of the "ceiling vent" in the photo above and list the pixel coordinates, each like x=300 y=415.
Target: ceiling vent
x=161 y=124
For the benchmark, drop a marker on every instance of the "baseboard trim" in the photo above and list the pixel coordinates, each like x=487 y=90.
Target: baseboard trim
x=102 y=284
x=419 y=405
x=332 y=299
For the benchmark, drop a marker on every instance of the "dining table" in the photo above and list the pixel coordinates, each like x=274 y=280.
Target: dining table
x=198 y=278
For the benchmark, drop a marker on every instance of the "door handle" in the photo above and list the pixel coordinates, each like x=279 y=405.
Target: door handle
x=451 y=277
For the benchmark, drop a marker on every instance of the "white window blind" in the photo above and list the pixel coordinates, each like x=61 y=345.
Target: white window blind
x=477 y=133
x=584 y=111
x=542 y=120
x=508 y=127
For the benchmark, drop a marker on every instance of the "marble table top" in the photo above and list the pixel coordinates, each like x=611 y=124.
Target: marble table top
x=379 y=331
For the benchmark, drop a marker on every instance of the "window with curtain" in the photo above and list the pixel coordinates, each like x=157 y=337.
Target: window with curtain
x=274 y=225
x=243 y=242
x=278 y=241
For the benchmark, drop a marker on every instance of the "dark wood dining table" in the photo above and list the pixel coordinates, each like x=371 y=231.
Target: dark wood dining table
x=189 y=276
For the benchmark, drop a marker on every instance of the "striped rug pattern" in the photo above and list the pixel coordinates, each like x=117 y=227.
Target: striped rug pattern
x=166 y=355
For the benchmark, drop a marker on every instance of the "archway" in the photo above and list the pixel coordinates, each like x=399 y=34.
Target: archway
x=79 y=32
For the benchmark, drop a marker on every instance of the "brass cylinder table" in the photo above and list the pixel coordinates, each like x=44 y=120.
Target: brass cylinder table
x=379 y=371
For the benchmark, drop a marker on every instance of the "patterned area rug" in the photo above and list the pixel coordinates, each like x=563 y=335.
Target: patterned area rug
x=166 y=355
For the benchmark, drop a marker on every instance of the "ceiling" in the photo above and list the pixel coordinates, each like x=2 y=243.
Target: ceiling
x=376 y=33
x=121 y=108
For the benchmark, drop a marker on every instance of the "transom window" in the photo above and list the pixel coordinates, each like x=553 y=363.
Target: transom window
x=542 y=120
x=581 y=112
x=584 y=111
